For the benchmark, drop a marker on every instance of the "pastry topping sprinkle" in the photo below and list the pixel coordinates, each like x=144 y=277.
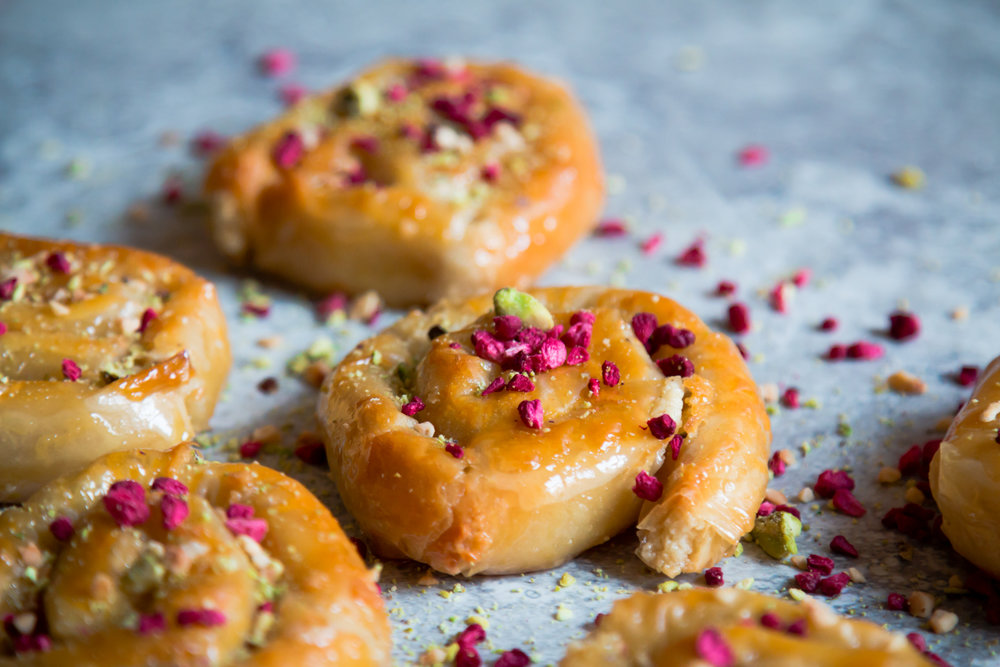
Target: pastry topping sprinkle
x=366 y=143
x=693 y=256
x=829 y=481
x=58 y=262
x=292 y=93
x=662 y=427
x=3 y=328
x=126 y=503
x=490 y=172
x=611 y=228
x=649 y=246
x=840 y=545
x=864 y=350
x=896 y=602
x=151 y=624
x=836 y=352
x=240 y=521
x=713 y=577
x=844 y=501
x=62 y=529
x=277 y=62
x=594 y=386
x=667 y=334
x=70 y=370
x=739 y=318
x=676 y=365
x=713 y=649
x=506 y=326
x=675 y=446
x=790 y=399
x=250 y=448
x=174 y=511
x=531 y=413
x=832 y=586
x=311 y=450
x=829 y=324
x=454 y=449
x=520 y=383
x=515 y=657
x=204 y=617
x=967 y=376
x=576 y=356
x=289 y=150
x=647 y=487
x=413 y=407
x=148 y=316
x=903 y=326
x=770 y=620
x=7 y=288
x=170 y=486
x=610 y=373
x=777 y=465
x=753 y=155
x=551 y=355
x=725 y=288
x=496 y=385
x=643 y=325
x=821 y=564
x=509 y=301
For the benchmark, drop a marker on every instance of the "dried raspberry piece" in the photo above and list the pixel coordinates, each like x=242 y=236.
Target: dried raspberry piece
x=777 y=465
x=148 y=316
x=903 y=326
x=694 y=255
x=487 y=347
x=808 y=581
x=797 y=628
x=676 y=365
x=313 y=452
x=667 y=334
x=151 y=624
x=840 y=545
x=496 y=114
x=649 y=246
x=253 y=528
x=240 y=511
x=204 y=617
x=3 y=328
x=472 y=635
x=454 y=449
x=552 y=354
x=770 y=620
x=864 y=350
x=611 y=228
x=967 y=376
x=506 y=326
x=789 y=510
x=713 y=577
x=397 y=92
x=675 y=446
x=32 y=643
x=896 y=602
x=713 y=649
x=821 y=564
x=496 y=385
x=594 y=385
x=802 y=277
x=829 y=324
x=647 y=487
x=739 y=318
x=766 y=508
x=7 y=288
x=643 y=325
x=250 y=448
x=833 y=585
x=520 y=383
x=610 y=373
x=725 y=288
x=531 y=413
x=169 y=486
x=174 y=511
x=70 y=370
x=125 y=501
x=413 y=407
x=779 y=297
x=742 y=349
x=366 y=143
x=753 y=155
x=836 y=352
x=790 y=399
x=292 y=93
x=289 y=150
x=515 y=657
x=58 y=262
x=830 y=480
x=277 y=62
x=468 y=657
x=912 y=461
x=62 y=529
x=578 y=335
x=576 y=356
x=334 y=303
x=207 y=142
x=584 y=316
x=844 y=501
x=662 y=427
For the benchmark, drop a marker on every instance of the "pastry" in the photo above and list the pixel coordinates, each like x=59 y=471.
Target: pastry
x=416 y=179
x=158 y=558
x=728 y=627
x=510 y=434
x=103 y=348
x=965 y=475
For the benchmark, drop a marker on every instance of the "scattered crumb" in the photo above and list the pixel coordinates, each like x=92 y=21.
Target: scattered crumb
x=909 y=178
x=921 y=604
x=806 y=495
x=914 y=495
x=269 y=342
x=960 y=313
x=943 y=621
x=856 y=575
x=775 y=496
x=889 y=475
x=902 y=382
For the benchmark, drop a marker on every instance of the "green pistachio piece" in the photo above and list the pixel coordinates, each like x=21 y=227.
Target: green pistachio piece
x=776 y=533
x=358 y=99
x=509 y=301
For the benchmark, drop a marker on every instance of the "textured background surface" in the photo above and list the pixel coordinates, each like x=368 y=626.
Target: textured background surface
x=842 y=97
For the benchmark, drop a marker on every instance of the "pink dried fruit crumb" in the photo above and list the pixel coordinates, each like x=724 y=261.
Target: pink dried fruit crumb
x=693 y=256
x=662 y=427
x=250 y=448
x=125 y=501
x=725 y=288
x=651 y=244
x=174 y=511
x=531 y=413
x=903 y=326
x=611 y=228
x=62 y=529
x=829 y=324
x=496 y=385
x=610 y=373
x=647 y=487
x=840 y=545
x=790 y=398
x=70 y=370
x=676 y=366
x=204 y=617
x=277 y=62
x=844 y=501
x=413 y=407
x=713 y=577
x=292 y=93
x=711 y=647
x=739 y=318
x=753 y=155
x=454 y=449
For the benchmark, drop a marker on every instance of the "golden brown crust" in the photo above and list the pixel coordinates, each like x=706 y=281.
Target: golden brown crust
x=965 y=471
x=86 y=304
x=522 y=499
x=420 y=224
x=302 y=596
x=663 y=629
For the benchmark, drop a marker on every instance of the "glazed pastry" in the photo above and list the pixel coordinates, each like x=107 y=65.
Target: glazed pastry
x=102 y=348
x=511 y=435
x=159 y=558
x=965 y=474
x=416 y=179
x=728 y=627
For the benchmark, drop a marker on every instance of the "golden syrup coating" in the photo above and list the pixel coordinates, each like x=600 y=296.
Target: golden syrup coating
x=666 y=630
x=419 y=180
x=965 y=475
x=113 y=590
x=522 y=498
x=103 y=348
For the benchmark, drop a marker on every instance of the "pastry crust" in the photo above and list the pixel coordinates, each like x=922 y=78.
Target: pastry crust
x=662 y=630
x=523 y=499
x=299 y=596
x=419 y=180
x=965 y=475
x=86 y=304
